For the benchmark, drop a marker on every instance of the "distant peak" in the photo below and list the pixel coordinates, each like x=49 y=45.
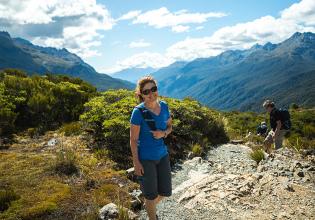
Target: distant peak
x=255 y=46
x=23 y=41
x=303 y=35
x=4 y=33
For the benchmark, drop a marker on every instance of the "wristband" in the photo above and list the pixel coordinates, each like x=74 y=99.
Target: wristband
x=165 y=134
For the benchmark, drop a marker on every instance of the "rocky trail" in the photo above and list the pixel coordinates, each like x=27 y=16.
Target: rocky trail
x=227 y=185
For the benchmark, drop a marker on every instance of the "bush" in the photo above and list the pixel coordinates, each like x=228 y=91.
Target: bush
x=109 y=116
x=294 y=106
x=40 y=211
x=35 y=101
x=197 y=149
x=6 y=198
x=256 y=154
x=71 y=129
x=66 y=161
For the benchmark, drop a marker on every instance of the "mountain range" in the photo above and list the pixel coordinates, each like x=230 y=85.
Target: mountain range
x=242 y=80
x=239 y=79
x=21 y=54
x=133 y=74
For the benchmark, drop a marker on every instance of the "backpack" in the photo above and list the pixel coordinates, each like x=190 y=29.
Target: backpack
x=285 y=122
x=147 y=117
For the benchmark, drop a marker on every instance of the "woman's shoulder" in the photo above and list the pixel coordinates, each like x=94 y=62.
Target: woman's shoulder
x=162 y=103
x=137 y=109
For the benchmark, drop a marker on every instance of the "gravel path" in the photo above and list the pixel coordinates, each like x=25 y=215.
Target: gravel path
x=188 y=172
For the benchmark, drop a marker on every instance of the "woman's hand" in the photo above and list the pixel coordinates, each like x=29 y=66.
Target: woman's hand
x=158 y=134
x=139 y=169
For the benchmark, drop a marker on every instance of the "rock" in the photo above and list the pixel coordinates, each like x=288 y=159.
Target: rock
x=287 y=186
x=276 y=189
x=109 y=211
x=191 y=155
x=236 y=142
x=296 y=164
x=300 y=173
x=197 y=160
x=311 y=168
x=52 y=142
x=131 y=174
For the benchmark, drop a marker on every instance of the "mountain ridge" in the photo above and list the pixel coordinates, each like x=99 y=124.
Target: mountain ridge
x=250 y=76
x=21 y=54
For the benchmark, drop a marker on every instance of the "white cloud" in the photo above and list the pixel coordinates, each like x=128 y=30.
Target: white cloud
x=301 y=12
x=129 y=15
x=199 y=28
x=139 y=44
x=180 y=29
x=163 y=18
x=71 y=24
x=239 y=37
x=116 y=42
x=142 y=60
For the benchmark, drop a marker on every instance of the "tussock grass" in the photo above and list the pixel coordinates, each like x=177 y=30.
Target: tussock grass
x=197 y=149
x=6 y=197
x=43 y=192
x=256 y=154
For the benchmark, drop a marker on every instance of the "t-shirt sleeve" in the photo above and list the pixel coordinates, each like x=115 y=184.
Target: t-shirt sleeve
x=136 y=117
x=168 y=116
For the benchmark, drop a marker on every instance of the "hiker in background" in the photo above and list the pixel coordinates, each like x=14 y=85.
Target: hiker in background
x=276 y=134
x=149 y=153
x=262 y=129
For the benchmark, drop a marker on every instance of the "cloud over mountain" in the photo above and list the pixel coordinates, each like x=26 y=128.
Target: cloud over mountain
x=62 y=23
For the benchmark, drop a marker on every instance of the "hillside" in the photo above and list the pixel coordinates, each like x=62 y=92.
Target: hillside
x=297 y=89
x=69 y=145
x=21 y=54
x=235 y=78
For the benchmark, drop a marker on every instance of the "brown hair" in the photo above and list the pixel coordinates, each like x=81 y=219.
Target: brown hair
x=141 y=84
x=268 y=103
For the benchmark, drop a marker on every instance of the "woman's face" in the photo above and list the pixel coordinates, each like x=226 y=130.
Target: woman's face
x=150 y=92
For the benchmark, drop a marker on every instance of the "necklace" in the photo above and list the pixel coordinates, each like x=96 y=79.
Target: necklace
x=154 y=110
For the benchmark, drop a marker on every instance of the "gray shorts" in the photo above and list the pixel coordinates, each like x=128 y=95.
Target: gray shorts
x=278 y=140
x=156 y=179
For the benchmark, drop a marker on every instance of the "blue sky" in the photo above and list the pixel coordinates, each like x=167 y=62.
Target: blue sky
x=112 y=35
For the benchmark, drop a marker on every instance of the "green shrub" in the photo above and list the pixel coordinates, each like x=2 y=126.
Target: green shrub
x=101 y=153
x=197 y=149
x=35 y=101
x=6 y=197
x=40 y=211
x=109 y=116
x=66 y=161
x=71 y=129
x=309 y=131
x=294 y=106
x=256 y=154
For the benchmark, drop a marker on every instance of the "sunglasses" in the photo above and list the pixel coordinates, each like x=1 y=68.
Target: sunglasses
x=148 y=91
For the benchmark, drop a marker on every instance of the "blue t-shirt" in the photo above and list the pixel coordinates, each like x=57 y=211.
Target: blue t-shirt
x=150 y=148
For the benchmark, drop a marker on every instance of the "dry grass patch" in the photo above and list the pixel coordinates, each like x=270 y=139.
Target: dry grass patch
x=42 y=193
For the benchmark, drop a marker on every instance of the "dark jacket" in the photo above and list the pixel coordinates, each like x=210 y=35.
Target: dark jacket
x=260 y=130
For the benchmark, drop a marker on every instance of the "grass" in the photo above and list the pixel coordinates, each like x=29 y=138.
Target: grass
x=256 y=154
x=197 y=149
x=42 y=189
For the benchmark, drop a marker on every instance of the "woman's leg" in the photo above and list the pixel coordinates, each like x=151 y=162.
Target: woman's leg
x=150 y=206
x=159 y=198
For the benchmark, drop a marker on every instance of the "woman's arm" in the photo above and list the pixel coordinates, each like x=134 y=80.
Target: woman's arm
x=160 y=134
x=134 y=134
